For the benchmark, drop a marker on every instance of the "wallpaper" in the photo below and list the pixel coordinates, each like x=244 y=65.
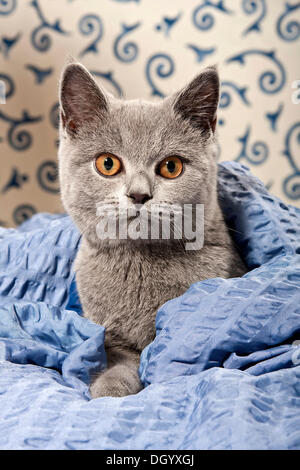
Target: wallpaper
x=148 y=49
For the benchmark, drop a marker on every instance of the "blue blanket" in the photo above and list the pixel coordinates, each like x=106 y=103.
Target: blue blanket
x=222 y=373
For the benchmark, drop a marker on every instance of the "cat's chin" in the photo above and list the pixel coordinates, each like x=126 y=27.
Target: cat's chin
x=141 y=242
x=137 y=244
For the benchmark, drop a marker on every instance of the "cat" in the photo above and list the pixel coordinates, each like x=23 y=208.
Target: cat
x=112 y=150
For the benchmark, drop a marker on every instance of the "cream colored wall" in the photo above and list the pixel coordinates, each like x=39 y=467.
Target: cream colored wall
x=22 y=191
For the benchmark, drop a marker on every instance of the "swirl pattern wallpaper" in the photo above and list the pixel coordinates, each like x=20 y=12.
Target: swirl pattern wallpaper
x=148 y=49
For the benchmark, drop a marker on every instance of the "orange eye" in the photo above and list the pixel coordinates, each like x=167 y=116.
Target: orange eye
x=170 y=167
x=108 y=165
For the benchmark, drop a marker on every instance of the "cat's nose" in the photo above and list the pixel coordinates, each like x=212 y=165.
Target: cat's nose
x=139 y=198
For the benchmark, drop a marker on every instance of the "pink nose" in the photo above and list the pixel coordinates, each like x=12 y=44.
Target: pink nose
x=139 y=198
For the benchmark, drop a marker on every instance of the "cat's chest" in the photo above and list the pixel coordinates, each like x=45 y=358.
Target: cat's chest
x=124 y=290
x=127 y=277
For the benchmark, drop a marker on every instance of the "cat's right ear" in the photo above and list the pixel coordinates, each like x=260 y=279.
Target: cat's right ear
x=82 y=103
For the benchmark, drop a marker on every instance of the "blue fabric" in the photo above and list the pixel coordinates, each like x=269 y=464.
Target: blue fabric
x=222 y=373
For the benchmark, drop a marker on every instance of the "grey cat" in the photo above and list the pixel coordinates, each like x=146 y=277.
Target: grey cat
x=110 y=149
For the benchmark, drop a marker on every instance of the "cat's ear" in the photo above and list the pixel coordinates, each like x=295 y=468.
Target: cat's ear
x=82 y=103
x=198 y=101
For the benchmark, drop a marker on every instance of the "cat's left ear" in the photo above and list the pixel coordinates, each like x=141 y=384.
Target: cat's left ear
x=198 y=101
x=82 y=103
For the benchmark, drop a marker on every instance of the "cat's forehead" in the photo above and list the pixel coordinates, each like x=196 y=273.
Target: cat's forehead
x=144 y=127
x=139 y=115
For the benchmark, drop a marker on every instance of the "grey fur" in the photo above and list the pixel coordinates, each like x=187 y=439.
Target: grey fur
x=122 y=284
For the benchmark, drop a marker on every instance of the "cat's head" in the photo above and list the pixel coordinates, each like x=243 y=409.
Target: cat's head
x=136 y=151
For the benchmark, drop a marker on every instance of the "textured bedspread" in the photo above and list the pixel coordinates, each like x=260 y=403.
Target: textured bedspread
x=222 y=373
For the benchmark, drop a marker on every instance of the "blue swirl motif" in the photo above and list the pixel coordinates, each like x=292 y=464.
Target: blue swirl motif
x=250 y=7
x=110 y=78
x=54 y=119
x=164 y=67
x=43 y=42
x=273 y=117
x=19 y=140
x=167 y=24
x=9 y=85
x=269 y=185
x=47 y=176
x=7 y=6
x=291 y=184
x=269 y=82
x=39 y=74
x=90 y=24
x=7 y=43
x=205 y=21
x=291 y=30
x=259 y=151
x=16 y=180
x=54 y=115
x=200 y=52
x=23 y=213
x=225 y=99
x=129 y=51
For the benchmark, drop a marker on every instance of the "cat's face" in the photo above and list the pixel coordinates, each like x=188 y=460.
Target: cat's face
x=138 y=152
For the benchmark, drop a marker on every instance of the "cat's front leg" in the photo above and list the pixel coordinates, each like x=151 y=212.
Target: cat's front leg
x=121 y=377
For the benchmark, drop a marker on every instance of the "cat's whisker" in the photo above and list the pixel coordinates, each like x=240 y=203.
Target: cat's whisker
x=234 y=230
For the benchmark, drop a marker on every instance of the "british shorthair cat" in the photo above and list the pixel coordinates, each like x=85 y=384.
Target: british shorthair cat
x=145 y=154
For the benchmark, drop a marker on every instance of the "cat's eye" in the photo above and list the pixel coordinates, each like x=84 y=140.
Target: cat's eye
x=170 y=167
x=108 y=164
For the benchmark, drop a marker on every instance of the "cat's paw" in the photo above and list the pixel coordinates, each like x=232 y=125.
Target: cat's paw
x=109 y=384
